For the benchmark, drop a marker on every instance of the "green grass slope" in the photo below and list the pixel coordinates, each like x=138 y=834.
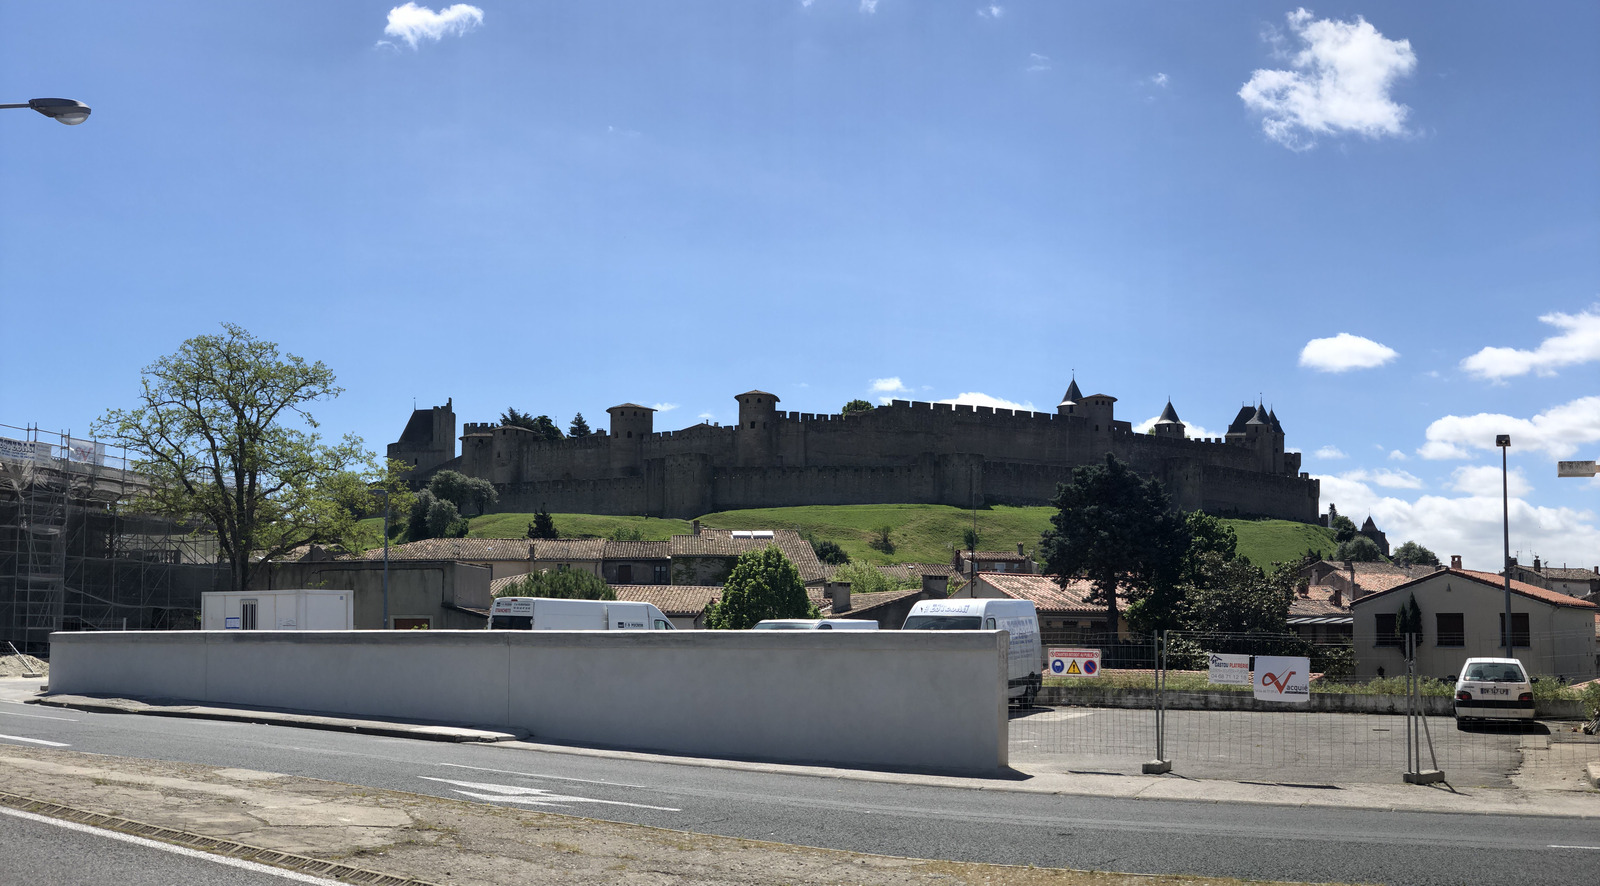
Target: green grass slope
x=1278 y=541
x=577 y=526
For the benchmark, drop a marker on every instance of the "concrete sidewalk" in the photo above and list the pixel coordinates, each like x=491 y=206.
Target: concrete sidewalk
x=1560 y=793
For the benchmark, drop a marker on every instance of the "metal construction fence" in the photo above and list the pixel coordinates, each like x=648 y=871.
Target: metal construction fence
x=1153 y=702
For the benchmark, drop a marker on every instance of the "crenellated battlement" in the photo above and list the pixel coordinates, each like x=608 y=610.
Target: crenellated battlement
x=903 y=451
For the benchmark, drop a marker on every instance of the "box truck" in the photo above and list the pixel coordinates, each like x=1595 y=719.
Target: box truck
x=548 y=614
x=290 y=609
x=1024 y=658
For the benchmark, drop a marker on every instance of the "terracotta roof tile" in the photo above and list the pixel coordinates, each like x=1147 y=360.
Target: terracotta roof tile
x=1562 y=573
x=861 y=604
x=1046 y=594
x=638 y=550
x=1521 y=588
x=569 y=549
x=1318 y=601
x=455 y=549
x=722 y=543
x=678 y=601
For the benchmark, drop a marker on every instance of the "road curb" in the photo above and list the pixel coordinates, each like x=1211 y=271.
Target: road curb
x=384 y=728
x=1593 y=775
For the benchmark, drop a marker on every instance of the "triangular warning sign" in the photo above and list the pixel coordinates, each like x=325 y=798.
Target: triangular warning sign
x=1072 y=668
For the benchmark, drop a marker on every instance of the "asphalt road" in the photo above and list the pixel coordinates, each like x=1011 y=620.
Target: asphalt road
x=49 y=851
x=1148 y=836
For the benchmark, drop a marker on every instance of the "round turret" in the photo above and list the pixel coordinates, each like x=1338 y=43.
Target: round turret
x=758 y=427
x=630 y=421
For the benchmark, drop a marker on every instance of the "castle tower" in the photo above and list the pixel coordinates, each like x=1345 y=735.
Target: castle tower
x=1099 y=410
x=1069 y=400
x=1168 y=424
x=758 y=428
x=429 y=439
x=630 y=425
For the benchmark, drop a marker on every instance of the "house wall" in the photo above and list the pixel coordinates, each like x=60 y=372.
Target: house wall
x=1562 y=638
x=931 y=701
x=417 y=588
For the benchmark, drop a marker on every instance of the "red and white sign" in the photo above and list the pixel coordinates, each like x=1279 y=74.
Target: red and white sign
x=1282 y=678
x=1074 y=662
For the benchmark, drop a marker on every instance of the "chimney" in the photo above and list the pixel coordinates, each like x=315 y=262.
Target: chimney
x=839 y=593
x=1536 y=564
x=935 y=587
x=695 y=527
x=1020 y=551
x=1455 y=561
x=1338 y=599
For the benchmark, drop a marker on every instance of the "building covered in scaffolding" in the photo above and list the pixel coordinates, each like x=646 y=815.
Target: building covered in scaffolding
x=73 y=555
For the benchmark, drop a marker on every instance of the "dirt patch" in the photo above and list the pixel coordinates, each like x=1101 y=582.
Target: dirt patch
x=21 y=665
x=450 y=841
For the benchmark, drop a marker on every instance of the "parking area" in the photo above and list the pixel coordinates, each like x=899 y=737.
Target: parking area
x=1297 y=748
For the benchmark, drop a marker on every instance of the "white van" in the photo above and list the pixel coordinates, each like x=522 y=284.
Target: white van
x=815 y=624
x=549 y=614
x=1024 y=673
x=1493 y=688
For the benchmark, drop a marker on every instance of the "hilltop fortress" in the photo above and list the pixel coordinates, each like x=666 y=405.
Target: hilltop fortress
x=905 y=452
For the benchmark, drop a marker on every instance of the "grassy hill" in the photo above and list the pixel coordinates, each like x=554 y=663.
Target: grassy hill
x=921 y=533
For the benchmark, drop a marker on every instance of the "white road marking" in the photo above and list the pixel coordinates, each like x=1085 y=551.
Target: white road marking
x=53 y=744
x=609 y=784
x=1558 y=846
x=38 y=716
x=502 y=793
x=168 y=847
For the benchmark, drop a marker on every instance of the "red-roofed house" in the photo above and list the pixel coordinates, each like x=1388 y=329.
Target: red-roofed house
x=1462 y=612
x=1065 y=615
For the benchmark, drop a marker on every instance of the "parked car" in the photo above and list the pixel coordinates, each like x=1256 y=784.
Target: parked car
x=815 y=624
x=1493 y=689
x=1024 y=658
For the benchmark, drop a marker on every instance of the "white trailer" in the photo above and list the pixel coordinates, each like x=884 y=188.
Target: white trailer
x=548 y=614
x=290 y=609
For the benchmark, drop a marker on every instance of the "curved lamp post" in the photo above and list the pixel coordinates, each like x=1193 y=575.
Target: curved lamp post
x=62 y=110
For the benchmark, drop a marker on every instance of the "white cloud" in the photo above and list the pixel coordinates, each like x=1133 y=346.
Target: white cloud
x=664 y=407
x=1037 y=62
x=888 y=386
x=1330 y=452
x=977 y=399
x=1557 y=431
x=1159 y=79
x=1190 y=429
x=1338 y=82
x=707 y=416
x=413 y=23
x=1397 y=455
x=1485 y=480
x=1470 y=525
x=1344 y=352
x=1384 y=477
x=1579 y=343
x=991 y=11
x=869 y=6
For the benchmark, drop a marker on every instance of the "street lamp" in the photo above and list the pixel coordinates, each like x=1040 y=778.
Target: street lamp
x=385 y=494
x=62 y=110
x=1504 y=442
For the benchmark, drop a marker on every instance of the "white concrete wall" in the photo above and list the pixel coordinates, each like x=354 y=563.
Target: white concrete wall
x=917 y=700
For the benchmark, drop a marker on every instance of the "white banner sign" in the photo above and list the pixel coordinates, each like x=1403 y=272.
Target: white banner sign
x=1229 y=670
x=1281 y=678
x=24 y=450
x=1074 y=662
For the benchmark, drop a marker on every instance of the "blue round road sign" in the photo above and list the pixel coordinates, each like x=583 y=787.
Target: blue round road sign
x=1090 y=666
x=1058 y=665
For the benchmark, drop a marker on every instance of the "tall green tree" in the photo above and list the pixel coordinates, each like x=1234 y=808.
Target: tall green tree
x=579 y=427
x=469 y=494
x=543 y=525
x=855 y=406
x=763 y=585
x=513 y=419
x=224 y=435
x=1359 y=549
x=1413 y=554
x=1117 y=529
x=1343 y=527
x=562 y=584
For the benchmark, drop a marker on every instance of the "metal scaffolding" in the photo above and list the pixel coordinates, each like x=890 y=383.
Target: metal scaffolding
x=74 y=557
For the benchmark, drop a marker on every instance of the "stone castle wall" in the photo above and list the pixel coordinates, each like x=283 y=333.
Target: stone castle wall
x=905 y=452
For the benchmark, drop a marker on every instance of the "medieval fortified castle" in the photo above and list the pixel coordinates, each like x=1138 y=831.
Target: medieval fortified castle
x=905 y=452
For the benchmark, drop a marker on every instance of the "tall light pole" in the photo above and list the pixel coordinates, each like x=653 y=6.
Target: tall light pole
x=1504 y=442
x=62 y=110
x=385 y=494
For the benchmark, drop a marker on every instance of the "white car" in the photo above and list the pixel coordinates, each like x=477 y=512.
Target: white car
x=1493 y=688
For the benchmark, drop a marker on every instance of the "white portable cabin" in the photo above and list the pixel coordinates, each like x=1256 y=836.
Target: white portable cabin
x=290 y=609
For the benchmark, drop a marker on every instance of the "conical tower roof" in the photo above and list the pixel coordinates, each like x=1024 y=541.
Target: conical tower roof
x=1073 y=395
x=1169 y=415
x=1260 y=418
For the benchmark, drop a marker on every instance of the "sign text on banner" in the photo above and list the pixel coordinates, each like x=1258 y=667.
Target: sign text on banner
x=1283 y=678
x=1074 y=662
x=1230 y=670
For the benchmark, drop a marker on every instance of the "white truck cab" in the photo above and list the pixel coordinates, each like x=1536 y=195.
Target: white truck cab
x=549 y=614
x=1493 y=688
x=1025 y=658
x=815 y=624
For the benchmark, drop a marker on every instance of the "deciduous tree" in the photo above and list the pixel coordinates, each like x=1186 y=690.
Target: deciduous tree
x=763 y=585
x=223 y=434
x=562 y=584
x=855 y=406
x=1413 y=554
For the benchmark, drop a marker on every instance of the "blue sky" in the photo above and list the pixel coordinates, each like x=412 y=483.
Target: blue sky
x=1381 y=219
